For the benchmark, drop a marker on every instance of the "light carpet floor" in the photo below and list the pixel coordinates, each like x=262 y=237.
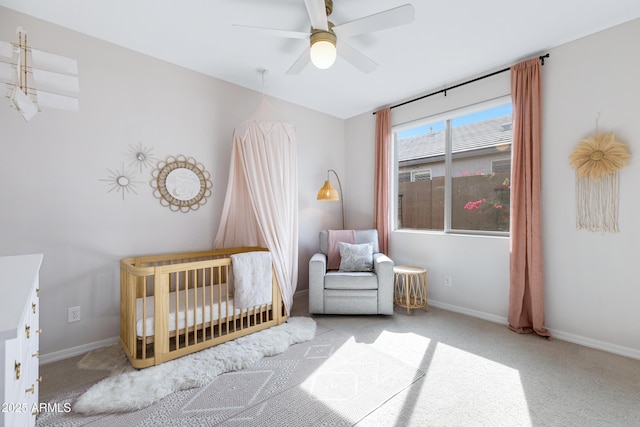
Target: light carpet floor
x=477 y=373
x=330 y=381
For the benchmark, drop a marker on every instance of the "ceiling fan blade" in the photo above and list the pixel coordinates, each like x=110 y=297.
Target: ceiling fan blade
x=274 y=32
x=300 y=63
x=355 y=58
x=379 y=21
x=317 y=14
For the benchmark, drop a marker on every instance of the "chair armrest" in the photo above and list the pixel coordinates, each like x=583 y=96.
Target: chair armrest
x=318 y=262
x=317 y=270
x=383 y=267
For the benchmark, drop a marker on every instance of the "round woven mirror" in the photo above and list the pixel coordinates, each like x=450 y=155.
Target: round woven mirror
x=181 y=183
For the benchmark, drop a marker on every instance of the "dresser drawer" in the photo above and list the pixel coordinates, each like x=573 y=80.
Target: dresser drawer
x=19 y=339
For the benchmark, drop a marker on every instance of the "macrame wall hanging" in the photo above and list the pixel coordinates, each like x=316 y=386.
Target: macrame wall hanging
x=597 y=161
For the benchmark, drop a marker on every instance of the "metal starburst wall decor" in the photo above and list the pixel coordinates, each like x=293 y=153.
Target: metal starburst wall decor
x=120 y=180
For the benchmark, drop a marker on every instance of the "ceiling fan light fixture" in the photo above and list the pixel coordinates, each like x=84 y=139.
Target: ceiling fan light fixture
x=323 y=49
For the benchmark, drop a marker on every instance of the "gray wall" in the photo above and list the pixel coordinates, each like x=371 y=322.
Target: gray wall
x=591 y=281
x=53 y=201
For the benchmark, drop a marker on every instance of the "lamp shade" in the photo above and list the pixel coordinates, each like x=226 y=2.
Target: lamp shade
x=323 y=54
x=323 y=49
x=328 y=193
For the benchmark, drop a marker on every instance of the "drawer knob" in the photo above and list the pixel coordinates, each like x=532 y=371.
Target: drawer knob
x=39 y=379
x=36 y=354
x=39 y=331
x=38 y=292
x=31 y=389
x=28 y=331
x=17 y=368
x=33 y=307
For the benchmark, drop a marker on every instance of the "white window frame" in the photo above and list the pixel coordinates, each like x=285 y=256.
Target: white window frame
x=423 y=171
x=442 y=117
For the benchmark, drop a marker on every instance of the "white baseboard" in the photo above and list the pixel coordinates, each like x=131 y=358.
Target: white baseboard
x=76 y=351
x=555 y=333
x=81 y=349
x=473 y=313
x=598 y=345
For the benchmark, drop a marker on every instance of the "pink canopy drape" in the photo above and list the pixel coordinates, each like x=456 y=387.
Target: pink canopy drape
x=526 y=296
x=381 y=183
x=261 y=204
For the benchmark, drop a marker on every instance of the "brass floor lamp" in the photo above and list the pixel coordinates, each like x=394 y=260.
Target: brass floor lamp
x=328 y=193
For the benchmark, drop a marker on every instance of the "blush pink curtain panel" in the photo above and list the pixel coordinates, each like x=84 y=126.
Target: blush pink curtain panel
x=526 y=296
x=381 y=183
x=261 y=204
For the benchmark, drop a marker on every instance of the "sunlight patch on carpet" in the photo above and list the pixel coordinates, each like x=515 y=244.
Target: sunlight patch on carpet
x=329 y=380
x=492 y=384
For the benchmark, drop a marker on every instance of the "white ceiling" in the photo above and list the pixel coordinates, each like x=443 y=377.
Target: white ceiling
x=449 y=41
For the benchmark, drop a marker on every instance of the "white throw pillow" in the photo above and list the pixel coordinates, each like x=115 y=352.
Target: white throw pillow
x=356 y=257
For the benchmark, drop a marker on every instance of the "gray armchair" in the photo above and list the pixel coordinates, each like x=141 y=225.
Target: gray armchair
x=353 y=292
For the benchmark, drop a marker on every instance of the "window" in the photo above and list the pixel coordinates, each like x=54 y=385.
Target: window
x=501 y=165
x=453 y=174
x=414 y=175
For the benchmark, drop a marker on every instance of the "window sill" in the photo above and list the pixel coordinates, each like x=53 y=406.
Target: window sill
x=460 y=233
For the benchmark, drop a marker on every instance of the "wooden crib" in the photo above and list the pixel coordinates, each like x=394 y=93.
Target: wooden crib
x=177 y=304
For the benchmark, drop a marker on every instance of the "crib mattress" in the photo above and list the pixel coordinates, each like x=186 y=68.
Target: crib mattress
x=186 y=317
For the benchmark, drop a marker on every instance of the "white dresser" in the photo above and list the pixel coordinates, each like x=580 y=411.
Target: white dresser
x=19 y=343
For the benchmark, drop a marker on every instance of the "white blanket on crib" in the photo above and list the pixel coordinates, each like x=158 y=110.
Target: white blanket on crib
x=252 y=278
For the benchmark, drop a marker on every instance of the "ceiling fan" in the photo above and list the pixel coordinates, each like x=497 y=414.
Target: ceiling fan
x=324 y=35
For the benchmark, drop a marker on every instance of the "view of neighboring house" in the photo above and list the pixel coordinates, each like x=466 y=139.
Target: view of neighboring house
x=480 y=174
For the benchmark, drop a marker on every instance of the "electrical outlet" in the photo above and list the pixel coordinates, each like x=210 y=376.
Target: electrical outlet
x=73 y=314
x=447 y=281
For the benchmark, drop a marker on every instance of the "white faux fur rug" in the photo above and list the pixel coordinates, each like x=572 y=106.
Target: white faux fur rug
x=137 y=389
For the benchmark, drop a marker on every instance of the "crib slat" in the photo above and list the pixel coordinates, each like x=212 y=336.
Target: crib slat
x=219 y=322
x=144 y=325
x=228 y=327
x=177 y=305
x=190 y=285
x=128 y=314
x=161 y=316
x=186 y=309
x=196 y=324
x=199 y=286
x=226 y=301
x=203 y=327
x=211 y=284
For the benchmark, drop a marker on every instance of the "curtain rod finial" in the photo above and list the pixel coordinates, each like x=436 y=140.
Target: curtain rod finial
x=542 y=57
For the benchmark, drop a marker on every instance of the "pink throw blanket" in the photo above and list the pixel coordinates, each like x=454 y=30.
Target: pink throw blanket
x=333 y=253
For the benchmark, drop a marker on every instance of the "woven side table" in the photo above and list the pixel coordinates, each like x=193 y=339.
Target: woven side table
x=410 y=287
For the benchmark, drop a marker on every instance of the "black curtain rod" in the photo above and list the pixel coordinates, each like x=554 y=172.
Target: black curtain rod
x=542 y=57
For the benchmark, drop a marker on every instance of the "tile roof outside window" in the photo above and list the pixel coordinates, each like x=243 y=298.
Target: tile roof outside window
x=473 y=136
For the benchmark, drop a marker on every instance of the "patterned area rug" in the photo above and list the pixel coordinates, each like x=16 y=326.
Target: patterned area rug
x=330 y=380
x=138 y=389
